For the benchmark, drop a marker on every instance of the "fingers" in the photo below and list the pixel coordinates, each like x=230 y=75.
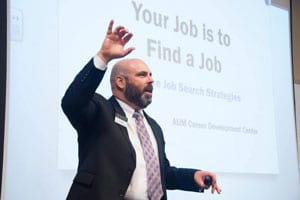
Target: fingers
x=216 y=188
x=113 y=46
x=120 y=31
x=219 y=190
x=109 y=29
x=123 y=34
x=127 y=37
x=200 y=179
x=128 y=50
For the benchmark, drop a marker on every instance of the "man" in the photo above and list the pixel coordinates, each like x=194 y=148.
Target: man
x=121 y=148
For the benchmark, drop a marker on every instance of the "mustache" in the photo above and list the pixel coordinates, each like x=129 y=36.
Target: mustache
x=149 y=88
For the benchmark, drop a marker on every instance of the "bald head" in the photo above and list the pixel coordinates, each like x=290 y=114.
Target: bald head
x=124 y=67
x=131 y=82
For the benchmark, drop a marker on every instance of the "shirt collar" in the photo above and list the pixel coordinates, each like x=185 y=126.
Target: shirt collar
x=127 y=109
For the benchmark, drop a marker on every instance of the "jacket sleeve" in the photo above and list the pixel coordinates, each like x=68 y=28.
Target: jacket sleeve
x=180 y=178
x=77 y=103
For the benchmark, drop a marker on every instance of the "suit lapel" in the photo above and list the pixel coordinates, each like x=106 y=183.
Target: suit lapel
x=155 y=129
x=160 y=147
x=157 y=134
x=120 y=115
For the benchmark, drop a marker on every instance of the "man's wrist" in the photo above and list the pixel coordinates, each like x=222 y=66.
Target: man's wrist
x=103 y=57
x=99 y=63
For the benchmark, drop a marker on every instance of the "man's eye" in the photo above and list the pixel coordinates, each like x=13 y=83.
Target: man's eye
x=142 y=75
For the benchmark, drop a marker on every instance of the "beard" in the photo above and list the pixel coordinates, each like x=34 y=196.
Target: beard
x=137 y=96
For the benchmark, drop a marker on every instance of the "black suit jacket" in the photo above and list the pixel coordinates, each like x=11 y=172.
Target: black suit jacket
x=106 y=157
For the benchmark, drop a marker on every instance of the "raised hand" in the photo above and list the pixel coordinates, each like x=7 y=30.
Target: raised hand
x=114 y=43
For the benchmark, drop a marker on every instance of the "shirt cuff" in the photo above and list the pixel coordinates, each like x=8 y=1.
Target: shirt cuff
x=99 y=64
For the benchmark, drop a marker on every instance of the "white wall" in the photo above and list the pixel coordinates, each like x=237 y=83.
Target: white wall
x=32 y=123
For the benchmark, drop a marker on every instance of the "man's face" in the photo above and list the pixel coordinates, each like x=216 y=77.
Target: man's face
x=139 y=87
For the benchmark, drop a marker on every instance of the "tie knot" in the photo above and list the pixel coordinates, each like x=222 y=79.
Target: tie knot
x=137 y=115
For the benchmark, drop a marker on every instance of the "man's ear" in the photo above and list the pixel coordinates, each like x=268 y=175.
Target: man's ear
x=120 y=82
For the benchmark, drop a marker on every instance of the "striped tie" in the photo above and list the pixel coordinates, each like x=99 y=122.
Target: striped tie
x=154 y=188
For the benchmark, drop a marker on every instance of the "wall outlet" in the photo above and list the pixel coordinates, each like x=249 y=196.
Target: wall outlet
x=16 y=25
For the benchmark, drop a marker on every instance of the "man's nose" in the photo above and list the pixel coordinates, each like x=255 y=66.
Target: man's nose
x=150 y=79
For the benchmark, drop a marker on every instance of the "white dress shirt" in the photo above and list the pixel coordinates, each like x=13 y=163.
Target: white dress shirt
x=137 y=189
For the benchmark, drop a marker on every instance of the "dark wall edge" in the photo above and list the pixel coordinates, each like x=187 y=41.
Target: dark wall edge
x=3 y=70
